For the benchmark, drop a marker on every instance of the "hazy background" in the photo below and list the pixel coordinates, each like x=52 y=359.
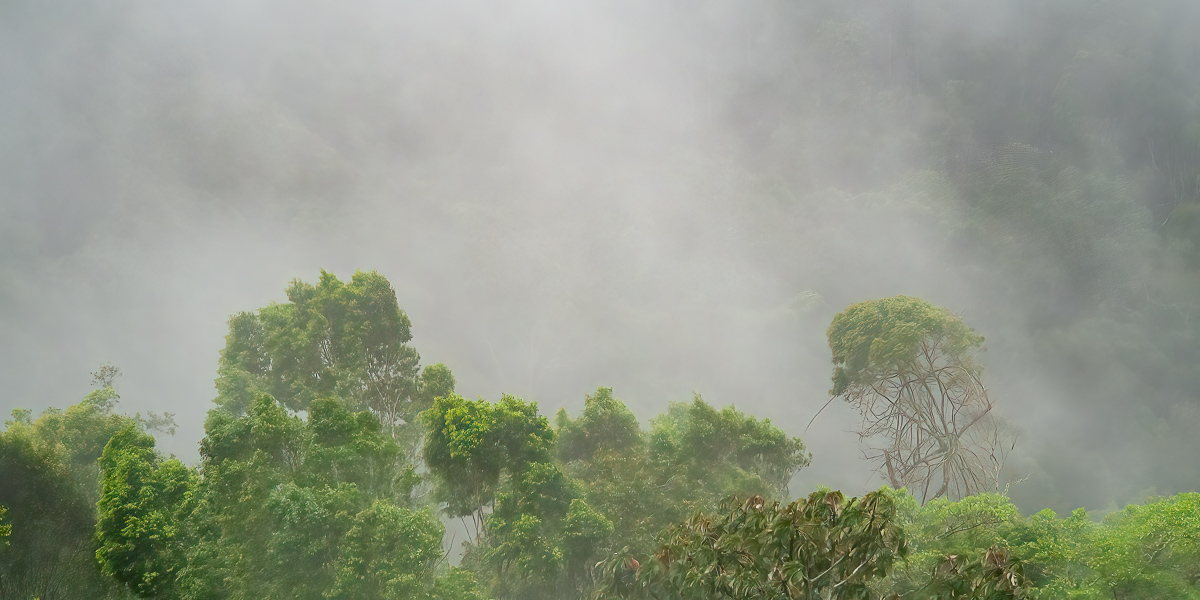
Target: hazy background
x=662 y=197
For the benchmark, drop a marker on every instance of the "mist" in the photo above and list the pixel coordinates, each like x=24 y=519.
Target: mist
x=666 y=198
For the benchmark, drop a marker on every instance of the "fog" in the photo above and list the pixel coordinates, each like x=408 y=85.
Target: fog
x=665 y=198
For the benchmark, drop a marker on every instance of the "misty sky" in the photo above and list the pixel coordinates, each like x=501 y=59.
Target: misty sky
x=664 y=198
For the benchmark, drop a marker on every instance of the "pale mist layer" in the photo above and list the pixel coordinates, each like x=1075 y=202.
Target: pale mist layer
x=665 y=200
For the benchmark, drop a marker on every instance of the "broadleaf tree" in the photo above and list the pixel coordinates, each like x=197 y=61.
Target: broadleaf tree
x=493 y=463
x=281 y=507
x=142 y=511
x=822 y=546
x=911 y=371
x=692 y=458
x=331 y=339
x=49 y=483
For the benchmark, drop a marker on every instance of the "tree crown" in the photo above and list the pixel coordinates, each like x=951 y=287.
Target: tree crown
x=880 y=336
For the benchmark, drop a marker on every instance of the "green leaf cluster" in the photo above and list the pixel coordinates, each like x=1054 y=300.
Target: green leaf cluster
x=49 y=484
x=692 y=458
x=321 y=507
x=331 y=339
x=871 y=340
x=822 y=546
x=494 y=463
x=142 y=513
x=605 y=425
x=470 y=444
x=1141 y=551
x=739 y=453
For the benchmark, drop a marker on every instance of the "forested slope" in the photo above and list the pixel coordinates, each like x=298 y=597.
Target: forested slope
x=748 y=169
x=324 y=495
x=659 y=197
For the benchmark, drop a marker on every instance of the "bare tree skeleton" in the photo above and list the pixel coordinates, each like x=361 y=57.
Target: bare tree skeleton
x=930 y=423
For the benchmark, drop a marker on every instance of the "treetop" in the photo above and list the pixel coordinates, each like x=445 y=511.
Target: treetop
x=885 y=334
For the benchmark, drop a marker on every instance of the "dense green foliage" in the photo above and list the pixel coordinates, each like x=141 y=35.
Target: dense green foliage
x=472 y=443
x=284 y=505
x=328 y=503
x=331 y=339
x=49 y=487
x=1044 y=156
x=1141 y=551
x=692 y=458
x=547 y=503
x=280 y=508
x=822 y=546
x=885 y=545
x=143 y=505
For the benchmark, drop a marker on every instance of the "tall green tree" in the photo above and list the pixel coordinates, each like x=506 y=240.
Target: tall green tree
x=911 y=371
x=281 y=492
x=49 y=482
x=469 y=445
x=605 y=425
x=389 y=552
x=331 y=339
x=735 y=451
x=142 y=513
x=281 y=507
x=463 y=456
x=535 y=533
x=693 y=457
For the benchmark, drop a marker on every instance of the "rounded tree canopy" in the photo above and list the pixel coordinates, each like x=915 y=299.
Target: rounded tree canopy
x=875 y=337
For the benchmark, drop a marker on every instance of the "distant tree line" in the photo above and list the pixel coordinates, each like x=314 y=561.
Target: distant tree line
x=323 y=495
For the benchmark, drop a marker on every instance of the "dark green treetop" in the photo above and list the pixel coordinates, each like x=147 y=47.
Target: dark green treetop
x=5 y=528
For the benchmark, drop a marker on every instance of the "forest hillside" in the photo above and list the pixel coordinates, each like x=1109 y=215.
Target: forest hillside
x=611 y=292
